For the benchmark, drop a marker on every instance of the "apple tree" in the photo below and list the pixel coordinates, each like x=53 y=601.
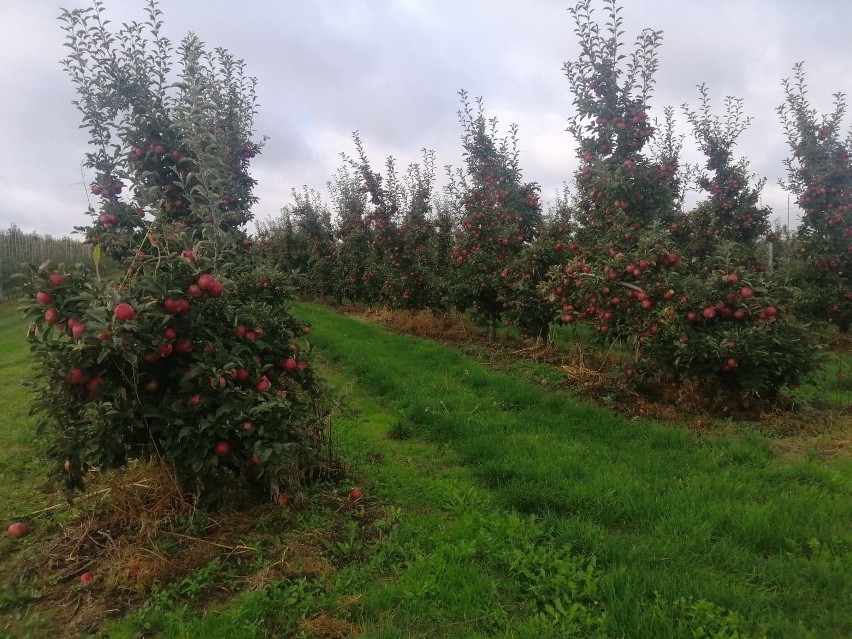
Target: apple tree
x=732 y=212
x=524 y=304
x=819 y=175
x=625 y=206
x=402 y=228
x=500 y=215
x=689 y=308
x=303 y=239
x=185 y=353
x=354 y=276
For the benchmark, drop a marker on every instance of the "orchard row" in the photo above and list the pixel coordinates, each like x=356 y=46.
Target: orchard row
x=184 y=351
x=177 y=347
x=693 y=291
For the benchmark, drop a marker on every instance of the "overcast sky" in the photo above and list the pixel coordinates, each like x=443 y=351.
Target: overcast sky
x=392 y=69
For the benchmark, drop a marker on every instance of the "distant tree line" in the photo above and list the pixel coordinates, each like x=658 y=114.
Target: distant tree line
x=18 y=247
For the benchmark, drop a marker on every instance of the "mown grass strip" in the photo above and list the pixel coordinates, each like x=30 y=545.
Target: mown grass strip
x=683 y=526
x=552 y=545
x=441 y=560
x=17 y=438
x=22 y=472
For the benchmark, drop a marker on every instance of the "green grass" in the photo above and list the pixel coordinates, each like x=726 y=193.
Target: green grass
x=438 y=559
x=17 y=442
x=670 y=516
x=452 y=564
x=494 y=508
x=829 y=388
x=22 y=472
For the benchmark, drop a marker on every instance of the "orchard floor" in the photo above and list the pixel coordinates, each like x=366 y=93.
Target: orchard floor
x=813 y=421
x=494 y=507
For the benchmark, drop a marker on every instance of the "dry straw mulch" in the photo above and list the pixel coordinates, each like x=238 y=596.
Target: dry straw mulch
x=135 y=531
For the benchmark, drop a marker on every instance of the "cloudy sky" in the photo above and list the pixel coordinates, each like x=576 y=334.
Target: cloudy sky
x=392 y=69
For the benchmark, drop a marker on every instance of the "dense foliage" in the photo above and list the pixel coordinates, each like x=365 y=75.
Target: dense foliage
x=689 y=291
x=820 y=176
x=184 y=354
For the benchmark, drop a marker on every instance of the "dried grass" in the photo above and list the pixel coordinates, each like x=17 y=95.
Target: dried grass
x=426 y=324
x=327 y=626
x=130 y=535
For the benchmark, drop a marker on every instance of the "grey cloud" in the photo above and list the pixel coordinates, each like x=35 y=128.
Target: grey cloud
x=392 y=70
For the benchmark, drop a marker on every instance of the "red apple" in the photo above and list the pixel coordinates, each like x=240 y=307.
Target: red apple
x=124 y=312
x=183 y=346
x=17 y=529
x=44 y=298
x=57 y=279
x=205 y=281
x=86 y=578
x=356 y=493
x=222 y=448
x=76 y=376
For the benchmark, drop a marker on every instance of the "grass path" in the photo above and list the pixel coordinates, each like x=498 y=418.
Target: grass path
x=494 y=508
x=682 y=526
